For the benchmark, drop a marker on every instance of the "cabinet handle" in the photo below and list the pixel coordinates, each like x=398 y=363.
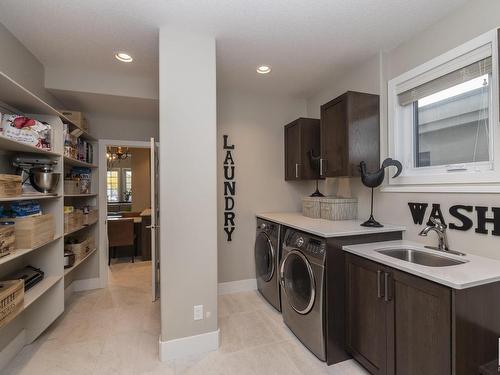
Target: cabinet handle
x=296 y=170
x=387 y=296
x=321 y=167
x=379 y=285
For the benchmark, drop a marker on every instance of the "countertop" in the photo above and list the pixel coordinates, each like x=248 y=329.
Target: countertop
x=326 y=228
x=476 y=271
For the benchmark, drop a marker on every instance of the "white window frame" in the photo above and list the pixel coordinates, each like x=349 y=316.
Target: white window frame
x=119 y=192
x=484 y=176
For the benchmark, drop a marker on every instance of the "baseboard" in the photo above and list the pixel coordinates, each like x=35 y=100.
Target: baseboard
x=86 y=284
x=186 y=346
x=237 y=286
x=11 y=350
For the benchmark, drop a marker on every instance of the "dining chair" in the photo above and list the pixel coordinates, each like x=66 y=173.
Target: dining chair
x=121 y=233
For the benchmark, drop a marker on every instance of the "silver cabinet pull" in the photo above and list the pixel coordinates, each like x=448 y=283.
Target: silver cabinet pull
x=379 y=284
x=321 y=167
x=387 y=297
x=296 y=170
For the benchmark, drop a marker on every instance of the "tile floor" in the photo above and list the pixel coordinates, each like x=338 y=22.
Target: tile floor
x=115 y=331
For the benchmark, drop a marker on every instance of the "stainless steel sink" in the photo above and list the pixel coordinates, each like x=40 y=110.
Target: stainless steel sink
x=420 y=257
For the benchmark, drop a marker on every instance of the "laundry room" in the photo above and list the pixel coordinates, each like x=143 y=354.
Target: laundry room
x=258 y=188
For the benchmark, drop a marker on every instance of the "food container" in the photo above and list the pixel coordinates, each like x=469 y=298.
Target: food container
x=11 y=300
x=339 y=208
x=27 y=130
x=33 y=231
x=69 y=258
x=7 y=237
x=10 y=185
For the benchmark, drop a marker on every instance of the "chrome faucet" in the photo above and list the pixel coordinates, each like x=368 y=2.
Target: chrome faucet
x=440 y=229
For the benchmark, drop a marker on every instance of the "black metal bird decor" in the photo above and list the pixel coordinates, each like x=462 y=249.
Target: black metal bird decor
x=375 y=179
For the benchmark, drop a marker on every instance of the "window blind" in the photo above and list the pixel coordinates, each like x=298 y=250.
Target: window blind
x=474 y=70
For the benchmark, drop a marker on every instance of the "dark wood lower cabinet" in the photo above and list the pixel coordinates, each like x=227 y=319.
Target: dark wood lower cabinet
x=401 y=324
x=367 y=332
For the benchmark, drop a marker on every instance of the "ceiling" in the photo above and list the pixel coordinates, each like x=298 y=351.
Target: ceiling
x=305 y=41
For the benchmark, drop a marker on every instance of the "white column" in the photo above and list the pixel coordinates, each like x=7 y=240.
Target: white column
x=188 y=201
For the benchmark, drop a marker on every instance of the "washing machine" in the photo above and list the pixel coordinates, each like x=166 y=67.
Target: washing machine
x=267 y=256
x=302 y=279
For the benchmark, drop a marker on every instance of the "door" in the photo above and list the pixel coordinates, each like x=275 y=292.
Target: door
x=155 y=222
x=421 y=312
x=292 y=151
x=265 y=256
x=366 y=314
x=297 y=281
x=334 y=138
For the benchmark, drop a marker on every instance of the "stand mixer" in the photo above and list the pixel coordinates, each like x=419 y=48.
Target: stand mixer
x=39 y=171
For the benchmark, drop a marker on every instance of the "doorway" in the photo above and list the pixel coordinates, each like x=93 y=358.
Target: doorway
x=125 y=202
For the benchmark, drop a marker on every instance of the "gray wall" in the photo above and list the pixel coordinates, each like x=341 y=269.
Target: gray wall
x=20 y=64
x=473 y=19
x=126 y=128
x=254 y=124
x=188 y=194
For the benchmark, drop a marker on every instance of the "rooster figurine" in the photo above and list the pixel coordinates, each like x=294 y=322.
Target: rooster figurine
x=375 y=179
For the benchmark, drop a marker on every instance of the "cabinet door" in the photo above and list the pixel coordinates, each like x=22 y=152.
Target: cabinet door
x=366 y=314
x=421 y=329
x=334 y=137
x=292 y=151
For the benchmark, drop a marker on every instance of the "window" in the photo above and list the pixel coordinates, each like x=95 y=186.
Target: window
x=119 y=185
x=443 y=121
x=127 y=184
x=113 y=185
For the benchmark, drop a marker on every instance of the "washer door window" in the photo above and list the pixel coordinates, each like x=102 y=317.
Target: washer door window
x=264 y=257
x=297 y=280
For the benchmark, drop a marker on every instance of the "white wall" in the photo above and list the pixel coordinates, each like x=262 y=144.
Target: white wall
x=254 y=124
x=22 y=66
x=473 y=19
x=188 y=189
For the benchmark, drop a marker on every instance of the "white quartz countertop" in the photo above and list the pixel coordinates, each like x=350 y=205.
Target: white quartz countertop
x=476 y=271
x=326 y=228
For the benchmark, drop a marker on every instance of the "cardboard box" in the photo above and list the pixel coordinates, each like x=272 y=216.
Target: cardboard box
x=76 y=118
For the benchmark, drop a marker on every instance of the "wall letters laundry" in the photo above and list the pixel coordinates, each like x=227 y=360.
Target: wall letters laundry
x=488 y=220
x=229 y=190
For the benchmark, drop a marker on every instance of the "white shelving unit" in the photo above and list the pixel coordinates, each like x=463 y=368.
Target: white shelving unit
x=45 y=301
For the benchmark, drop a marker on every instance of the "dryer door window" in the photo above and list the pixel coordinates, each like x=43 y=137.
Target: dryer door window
x=264 y=257
x=297 y=280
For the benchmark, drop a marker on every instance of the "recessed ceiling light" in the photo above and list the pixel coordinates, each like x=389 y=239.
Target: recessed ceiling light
x=125 y=57
x=263 y=69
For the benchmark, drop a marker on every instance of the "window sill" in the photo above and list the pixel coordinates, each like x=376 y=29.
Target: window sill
x=449 y=188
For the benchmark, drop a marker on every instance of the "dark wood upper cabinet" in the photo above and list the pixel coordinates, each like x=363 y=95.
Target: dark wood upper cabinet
x=401 y=324
x=301 y=138
x=350 y=134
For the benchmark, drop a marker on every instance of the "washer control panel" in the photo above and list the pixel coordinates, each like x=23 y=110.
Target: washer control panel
x=305 y=242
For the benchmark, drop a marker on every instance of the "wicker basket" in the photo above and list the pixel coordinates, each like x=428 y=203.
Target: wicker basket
x=73 y=220
x=7 y=238
x=11 y=300
x=90 y=217
x=33 y=231
x=311 y=207
x=10 y=185
x=339 y=208
x=82 y=248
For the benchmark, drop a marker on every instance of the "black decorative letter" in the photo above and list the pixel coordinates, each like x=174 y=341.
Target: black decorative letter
x=418 y=212
x=466 y=221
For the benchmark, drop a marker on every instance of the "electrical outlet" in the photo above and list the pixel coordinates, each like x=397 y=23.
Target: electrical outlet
x=198 y=312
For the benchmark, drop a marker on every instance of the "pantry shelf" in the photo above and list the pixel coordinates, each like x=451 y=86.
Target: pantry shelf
x=40 y=289
x=80 y=195
x=78 y=163
x=80 y=228
x=12 y=145
x=26 y=197
x=20 y=252
x=79 y=262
